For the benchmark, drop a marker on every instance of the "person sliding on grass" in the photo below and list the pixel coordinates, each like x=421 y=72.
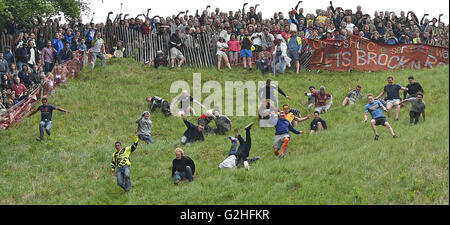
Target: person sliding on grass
x=145 y=127
x=318 y=124
x=374 y=108
x=293 y=115
x=182 y=167
x=158 y=102
x=282 y=137
x=353 y=96
x=393 y=97
x=193 y=133
x=46 y=117
x=120 y=163
x=417 y=108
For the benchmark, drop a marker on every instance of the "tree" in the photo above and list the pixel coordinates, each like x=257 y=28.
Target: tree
x=28 y=12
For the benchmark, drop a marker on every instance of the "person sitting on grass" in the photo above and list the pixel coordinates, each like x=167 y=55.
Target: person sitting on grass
x=193 y=133
x=182 y=167
x=318 y=124
x=282 y=137
x=223 y=123
x=374 y=108
x=413 y=88
x=237 y=157
x=145 y=127
x=417 y=108
x=263 y=63
x=120 y=163
x=321 y=98
x=159 y=60
x=353 y=96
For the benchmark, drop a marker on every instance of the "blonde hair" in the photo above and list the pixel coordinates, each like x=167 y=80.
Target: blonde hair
x=179 y=150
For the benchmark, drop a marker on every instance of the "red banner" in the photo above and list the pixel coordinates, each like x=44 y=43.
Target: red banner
x=363 y=54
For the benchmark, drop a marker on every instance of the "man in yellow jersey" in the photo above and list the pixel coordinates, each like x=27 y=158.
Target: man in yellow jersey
x=120 y=163
x=293 y=115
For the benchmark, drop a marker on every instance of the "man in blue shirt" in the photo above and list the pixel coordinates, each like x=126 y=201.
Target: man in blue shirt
x=374 y=108
x=282 y=137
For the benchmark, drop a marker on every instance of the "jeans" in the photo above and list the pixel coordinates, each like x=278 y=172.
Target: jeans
x=48 y=67
x=123 y=177
x=414 y=117
x=146 y=138
x=278 y=59
x=187 y=173
x=94 y=58
x=45 y=125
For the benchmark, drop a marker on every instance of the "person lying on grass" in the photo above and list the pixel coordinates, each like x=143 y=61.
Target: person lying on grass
x=237 y=159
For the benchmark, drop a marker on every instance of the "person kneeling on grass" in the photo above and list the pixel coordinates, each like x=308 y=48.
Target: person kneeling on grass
x=238 y=158
x=182 y=167
x=318 y=124
x=374 y=107
x=417 y=108
x=193 y=133
x=145 y=127
x=282 y=137
x=120 y=163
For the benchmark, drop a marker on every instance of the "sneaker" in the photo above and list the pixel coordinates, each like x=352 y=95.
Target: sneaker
x=256 y=158
x=176 y=182
x=232 y=139
x=246 y=165
x=249 y=126
x=282 y=156
x=395 y=136
x=376 y=137
x=39 y=139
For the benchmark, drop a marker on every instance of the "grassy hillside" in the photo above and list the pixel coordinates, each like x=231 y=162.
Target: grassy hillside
x=341 y=166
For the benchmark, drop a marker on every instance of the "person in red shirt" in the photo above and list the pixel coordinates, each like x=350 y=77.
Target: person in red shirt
x=18 y=87
x=321 y=100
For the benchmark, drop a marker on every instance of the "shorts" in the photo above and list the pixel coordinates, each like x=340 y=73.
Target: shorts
x=292 y=54
x=175 y=53
x=380 y=121
x=233 y=54
x=222 y=53
x=392 y=101
x=279 y=139
x=322 y=109
x=246 y=53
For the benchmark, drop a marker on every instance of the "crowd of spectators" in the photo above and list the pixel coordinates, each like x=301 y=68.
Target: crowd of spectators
x=37 y=50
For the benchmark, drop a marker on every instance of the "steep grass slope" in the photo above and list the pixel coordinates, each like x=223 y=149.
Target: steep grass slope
x=341 y=166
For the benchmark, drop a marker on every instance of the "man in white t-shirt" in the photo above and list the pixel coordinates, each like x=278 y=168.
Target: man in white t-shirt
x=98 y=50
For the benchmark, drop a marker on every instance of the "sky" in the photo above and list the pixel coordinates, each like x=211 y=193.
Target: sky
x=164 y=8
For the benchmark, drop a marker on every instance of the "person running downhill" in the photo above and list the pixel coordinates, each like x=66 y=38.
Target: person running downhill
x=374 y=108
x=282 y=137
x=120 y=163
x=46 y=117
x=417 y=108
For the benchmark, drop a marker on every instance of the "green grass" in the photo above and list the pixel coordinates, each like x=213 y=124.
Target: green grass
x=341 y=166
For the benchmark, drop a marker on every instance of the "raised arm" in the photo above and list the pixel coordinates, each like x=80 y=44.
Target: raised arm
x=136 y=142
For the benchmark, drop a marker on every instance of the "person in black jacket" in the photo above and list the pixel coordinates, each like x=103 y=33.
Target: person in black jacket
x=193 y=133
x=182 y=167
x=175 y=45
x=22 y=55
x=318 y=124
x=25 y=76
x=413 y=88
x=65 y=54
x=158 y=102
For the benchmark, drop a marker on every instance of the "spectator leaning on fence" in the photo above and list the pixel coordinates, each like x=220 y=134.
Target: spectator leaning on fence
x=98 y=50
